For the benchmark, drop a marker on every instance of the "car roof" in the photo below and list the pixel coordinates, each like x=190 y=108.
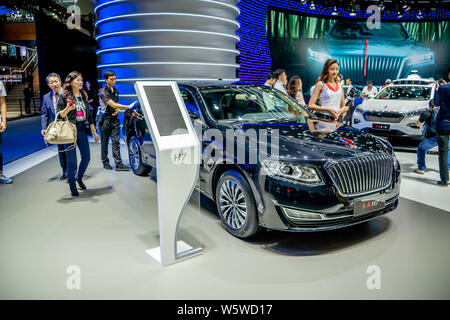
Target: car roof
x=423 y=82
x=203 y=84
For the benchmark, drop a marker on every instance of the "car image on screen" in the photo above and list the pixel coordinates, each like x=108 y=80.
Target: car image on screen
x=371 y=54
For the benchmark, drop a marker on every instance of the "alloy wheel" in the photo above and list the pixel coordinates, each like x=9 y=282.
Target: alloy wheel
x=233 y=204
x=134 y=155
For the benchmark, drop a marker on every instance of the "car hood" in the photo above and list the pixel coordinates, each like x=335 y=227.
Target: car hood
x=338 y=47
x=401 y=106
x=319 y=140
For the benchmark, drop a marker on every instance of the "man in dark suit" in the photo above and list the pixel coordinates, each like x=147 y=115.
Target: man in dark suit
x=51 y=105
x=442 y=99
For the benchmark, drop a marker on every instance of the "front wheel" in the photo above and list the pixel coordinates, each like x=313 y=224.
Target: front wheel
x=236 y=205
x=135 y=156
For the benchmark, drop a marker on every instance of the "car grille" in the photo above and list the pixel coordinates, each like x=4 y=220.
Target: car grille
x=362 y=175
x=378 y=68
x=389 y=117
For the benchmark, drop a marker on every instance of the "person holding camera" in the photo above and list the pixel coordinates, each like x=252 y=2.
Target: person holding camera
x=429 y=141
x=350 y=93
x=442 y=99
x=77 y=111
x=51 y=105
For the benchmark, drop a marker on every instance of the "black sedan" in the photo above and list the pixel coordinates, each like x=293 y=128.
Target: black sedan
x=269 y=163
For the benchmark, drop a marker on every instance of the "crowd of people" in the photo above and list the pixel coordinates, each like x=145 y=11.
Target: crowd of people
x=329 y=100
x=74 y=101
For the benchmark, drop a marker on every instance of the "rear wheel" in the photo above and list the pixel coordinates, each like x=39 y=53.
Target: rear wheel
x=135 y=156
x=236 y=204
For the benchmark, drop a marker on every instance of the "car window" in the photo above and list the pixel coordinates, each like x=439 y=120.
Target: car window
x=415 y=93
x=250 y=103
x=189 y=101
x=358 y=30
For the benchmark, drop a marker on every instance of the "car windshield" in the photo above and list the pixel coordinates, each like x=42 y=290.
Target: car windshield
x=358 y=30
x=405 y=93
x=251 y=104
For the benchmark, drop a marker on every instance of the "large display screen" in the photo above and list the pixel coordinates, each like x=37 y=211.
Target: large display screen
x=301 y=44
x=166 y=112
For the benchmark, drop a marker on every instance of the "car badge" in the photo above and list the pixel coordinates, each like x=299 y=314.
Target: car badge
x=348 y=143
x=385 y=107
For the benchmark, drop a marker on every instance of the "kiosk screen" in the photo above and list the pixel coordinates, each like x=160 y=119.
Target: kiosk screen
x=164 y=106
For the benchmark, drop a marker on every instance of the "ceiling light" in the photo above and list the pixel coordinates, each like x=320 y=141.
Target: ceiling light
x=399 y=15
x=352 y=13
x=312 y=6
x=335 y=12
x=381 y=5
x=406 y=8
x=420 y=14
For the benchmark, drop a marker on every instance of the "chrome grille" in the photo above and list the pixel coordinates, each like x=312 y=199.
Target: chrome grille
x=389 y=117
x=362 y=175
x=378 y=68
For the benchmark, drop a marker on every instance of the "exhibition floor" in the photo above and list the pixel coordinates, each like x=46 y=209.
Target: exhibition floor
x=108 y=228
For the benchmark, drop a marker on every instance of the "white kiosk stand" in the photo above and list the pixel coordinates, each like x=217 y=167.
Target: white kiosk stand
x=177 y=159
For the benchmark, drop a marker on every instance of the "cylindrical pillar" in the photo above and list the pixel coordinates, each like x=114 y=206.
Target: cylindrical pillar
x=167 y=40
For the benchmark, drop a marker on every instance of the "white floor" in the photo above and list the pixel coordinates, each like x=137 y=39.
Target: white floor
x=423 y=188
x=107 y=230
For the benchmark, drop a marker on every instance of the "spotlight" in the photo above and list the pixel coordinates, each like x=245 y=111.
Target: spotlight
x=399 y=15
x=420 y=14
x=312 y=6
x=335 y=12
x=304 y=1
x=406 y=8
x=352 y=13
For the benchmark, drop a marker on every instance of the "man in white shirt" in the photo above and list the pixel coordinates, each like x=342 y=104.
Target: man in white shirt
x=3 y=179
x=281 y=82
x=369 y=92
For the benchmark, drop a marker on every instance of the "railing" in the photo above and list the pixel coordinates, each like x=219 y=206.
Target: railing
x=21 y=112
x=30 y=63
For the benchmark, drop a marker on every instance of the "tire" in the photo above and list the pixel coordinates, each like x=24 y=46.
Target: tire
x=135 y=156
x=240 y=218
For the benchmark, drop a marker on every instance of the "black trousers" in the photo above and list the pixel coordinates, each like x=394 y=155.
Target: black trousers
x=27 y=106
x=110 y=128
x=62 y=158
x=1 y=156
x=442 y=138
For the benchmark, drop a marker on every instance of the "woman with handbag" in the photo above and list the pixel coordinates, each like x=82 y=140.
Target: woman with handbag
x=76 y=109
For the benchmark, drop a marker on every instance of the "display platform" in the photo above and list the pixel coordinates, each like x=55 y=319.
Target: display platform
x=43 y=231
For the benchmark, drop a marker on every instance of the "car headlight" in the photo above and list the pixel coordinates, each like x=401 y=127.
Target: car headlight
x=396 y=163
x=359 y=110
x=419 y=59
x=318 y=56
x=415 y=113
x=286 y=170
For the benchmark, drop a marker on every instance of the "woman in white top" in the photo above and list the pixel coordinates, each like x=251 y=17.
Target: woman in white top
x=329 y=92
x=295 y=89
